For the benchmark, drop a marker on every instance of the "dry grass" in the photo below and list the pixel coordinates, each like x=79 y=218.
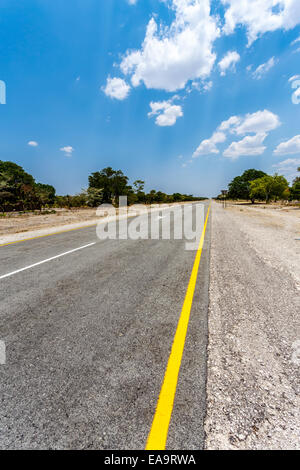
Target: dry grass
x=19 y=223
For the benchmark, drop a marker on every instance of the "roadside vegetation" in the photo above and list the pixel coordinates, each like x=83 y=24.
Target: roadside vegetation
x=19 y=191
x=255 y=185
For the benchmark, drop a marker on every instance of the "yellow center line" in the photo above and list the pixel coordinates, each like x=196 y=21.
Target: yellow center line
x=157 y=438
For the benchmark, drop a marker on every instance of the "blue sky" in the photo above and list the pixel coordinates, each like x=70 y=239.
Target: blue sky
x=149 y=87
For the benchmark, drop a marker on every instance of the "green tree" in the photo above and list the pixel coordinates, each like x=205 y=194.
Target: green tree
x=16 y=187
x=45 y=194
x=295 y=190
x=280 y=185
x=160 y=197
x=239 y=188
x=177 y=197
x=6 y=190
x=150 y=197
x=113 y=183
x=297 y=179
x=139 y=186
x=132 y=196
x=93 y=197
x=268 y=187
x=80 y=200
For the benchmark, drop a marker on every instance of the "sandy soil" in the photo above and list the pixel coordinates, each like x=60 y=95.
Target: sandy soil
x=29 y=222
x=254 y=329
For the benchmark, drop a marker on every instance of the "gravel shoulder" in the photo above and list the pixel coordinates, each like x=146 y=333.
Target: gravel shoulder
x=254 y=330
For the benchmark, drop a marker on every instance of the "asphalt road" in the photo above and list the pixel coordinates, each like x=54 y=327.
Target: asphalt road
x=88 y=336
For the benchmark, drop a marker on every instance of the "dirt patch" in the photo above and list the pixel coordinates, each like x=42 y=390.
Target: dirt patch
x=15 y=223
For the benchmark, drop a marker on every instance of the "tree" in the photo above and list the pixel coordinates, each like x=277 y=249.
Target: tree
x=280 y=185
x=139 y=191
x=80 y=200
x=150 y=197
x=297 y=179
x=286 y=195
x=139 y=186
x=132 y=196
x=6 y=190
x=177 y=197
x=16 y=187
x=268 y=187
x=239 y=188
x=295 y=190
x=45 y=194
x=94 y=197
x=113 y=183
x=160 y=197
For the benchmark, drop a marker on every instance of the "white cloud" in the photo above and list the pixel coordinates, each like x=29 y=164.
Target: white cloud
x=132 y=2
x=295 y=41
x=288 y=168
x=263 y=68
x=250 y=145
x=167 y=113
x=209 y=146
x=228 y=62
x=172 y=55
x=259 y=124
x=289 y=147
x=117 y=88
x=200 y=85
x=294 y=77
x=33 y=143
x=261 y=16
x=208 y=85
x=233 y=121
x=68 y=150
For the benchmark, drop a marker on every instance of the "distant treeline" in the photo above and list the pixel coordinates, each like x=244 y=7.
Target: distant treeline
x=20 y=192
x=255 y=185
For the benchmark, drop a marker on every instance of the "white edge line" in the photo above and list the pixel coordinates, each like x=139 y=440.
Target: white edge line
x=46 y=260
